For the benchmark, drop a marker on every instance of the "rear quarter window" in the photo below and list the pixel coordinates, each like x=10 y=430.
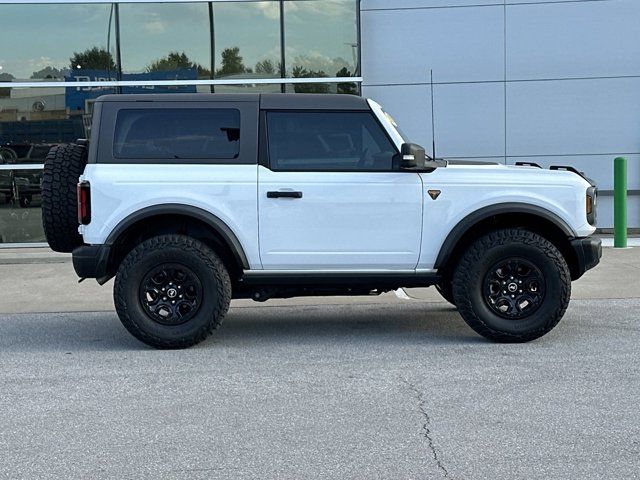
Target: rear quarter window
x=177 y=133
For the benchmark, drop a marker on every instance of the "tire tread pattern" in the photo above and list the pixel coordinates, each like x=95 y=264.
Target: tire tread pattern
x=187 y=245
x=467 y=274
x=62 y=168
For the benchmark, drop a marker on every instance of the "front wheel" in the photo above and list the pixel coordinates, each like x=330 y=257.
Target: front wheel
x=172 y=291
x=512 y=285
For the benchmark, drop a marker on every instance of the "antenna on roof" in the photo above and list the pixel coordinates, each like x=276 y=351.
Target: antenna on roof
x=433 y=124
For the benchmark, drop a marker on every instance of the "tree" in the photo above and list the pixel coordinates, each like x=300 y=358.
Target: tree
x=232 y=63
x=301 y=72
x=266 y=67
x=6 y=77
x=50 y=73
x=177 y=61
x=95 y=58
x=346 y=88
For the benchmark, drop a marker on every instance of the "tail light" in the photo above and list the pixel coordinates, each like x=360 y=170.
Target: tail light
x=84 y=203
x=591 y=205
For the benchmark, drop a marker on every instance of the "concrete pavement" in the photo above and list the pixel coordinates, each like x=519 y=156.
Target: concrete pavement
x=28 y=285
x=347 y=388
x=322 y=391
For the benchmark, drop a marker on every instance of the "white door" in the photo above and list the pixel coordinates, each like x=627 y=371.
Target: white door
x=329 y=198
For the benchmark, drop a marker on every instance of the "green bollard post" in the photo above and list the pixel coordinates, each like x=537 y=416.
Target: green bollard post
x=620 y=202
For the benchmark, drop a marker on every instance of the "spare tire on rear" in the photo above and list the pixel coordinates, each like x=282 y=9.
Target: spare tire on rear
x=62 y=168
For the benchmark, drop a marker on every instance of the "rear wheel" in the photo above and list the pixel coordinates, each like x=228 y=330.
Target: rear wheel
x=512 y=285
x=172 y=292
x=62 y=168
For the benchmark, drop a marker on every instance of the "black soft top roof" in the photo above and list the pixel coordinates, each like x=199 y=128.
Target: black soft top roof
x=311 y=101
x=270 y=101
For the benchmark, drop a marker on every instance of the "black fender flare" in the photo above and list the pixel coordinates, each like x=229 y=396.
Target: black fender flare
x=477 y=216
x=219 y=226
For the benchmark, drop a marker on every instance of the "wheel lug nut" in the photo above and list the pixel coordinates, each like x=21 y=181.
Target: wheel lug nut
x=513 y=296
x=164 y=298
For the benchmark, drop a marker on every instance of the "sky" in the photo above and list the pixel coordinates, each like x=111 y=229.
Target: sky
x=33 y=37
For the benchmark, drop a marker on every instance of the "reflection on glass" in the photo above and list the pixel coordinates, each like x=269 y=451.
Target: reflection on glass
x=247 y=39
x=350 y=88
x=20 y=206
x=50 y=42
x=31 y=117
x=165 y=41
x=249 y=88
x=321 y=38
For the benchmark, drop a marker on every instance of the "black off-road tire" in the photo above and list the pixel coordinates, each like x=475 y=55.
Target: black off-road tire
x=172 y=249
x=469 y=277
x=62 y=168
x=445 y=289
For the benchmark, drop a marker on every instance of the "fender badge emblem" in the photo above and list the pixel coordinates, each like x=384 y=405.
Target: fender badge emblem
x=434 y=194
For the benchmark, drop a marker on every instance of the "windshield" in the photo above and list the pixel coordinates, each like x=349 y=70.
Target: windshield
x=405 y=139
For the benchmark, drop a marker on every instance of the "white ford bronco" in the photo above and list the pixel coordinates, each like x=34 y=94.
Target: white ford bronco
x=190 y=200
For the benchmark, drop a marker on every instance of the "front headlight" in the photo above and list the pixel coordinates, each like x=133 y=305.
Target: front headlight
x=591 y=205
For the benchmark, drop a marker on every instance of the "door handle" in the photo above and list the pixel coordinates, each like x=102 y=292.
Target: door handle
x=286 y=194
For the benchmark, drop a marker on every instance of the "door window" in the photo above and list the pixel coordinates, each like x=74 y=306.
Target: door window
x=327 y=141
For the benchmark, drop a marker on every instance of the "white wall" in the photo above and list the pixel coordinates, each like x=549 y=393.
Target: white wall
x=544 y=81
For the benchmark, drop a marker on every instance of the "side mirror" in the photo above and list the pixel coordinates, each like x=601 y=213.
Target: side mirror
x=412 y=156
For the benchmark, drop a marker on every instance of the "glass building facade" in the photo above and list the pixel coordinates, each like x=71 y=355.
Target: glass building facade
x=58 y=57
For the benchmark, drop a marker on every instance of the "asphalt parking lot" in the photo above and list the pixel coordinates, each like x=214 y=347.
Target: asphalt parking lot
x=374 y=387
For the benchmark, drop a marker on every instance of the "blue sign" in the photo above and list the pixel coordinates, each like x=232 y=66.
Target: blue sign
x=76 y=97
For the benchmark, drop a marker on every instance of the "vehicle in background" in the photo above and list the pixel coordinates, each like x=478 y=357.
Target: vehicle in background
x=21 y=185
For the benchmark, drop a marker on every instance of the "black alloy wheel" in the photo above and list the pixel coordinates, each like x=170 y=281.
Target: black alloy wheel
x=171 y=294
x=514 y=288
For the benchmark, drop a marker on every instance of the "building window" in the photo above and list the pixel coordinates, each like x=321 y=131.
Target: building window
x=48 y=42
x=165 y=41
x=247 y=39
x=56 y=58
x=321 y=38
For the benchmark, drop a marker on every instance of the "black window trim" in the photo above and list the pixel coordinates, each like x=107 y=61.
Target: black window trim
x=106 y=136
x=265 y=159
